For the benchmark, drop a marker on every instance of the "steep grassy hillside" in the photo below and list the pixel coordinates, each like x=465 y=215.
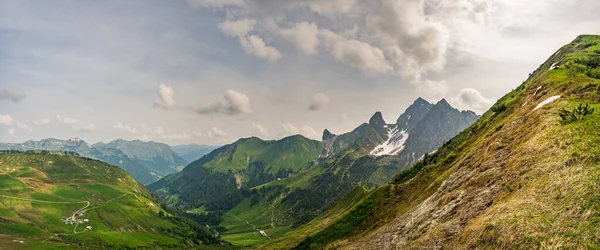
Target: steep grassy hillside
x=218 y=181
x=521 y=177
x=37 y=190
x=285 y=205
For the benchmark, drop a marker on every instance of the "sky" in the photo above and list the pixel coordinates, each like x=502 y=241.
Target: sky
x=213 y=71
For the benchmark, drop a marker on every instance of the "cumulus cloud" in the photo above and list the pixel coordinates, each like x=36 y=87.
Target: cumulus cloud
x=42 y=121
x=233 y=103
x=260 y=130
x=238 y=28
x=252 y=44
x=398 y=37
x=76 y=124
x=255 y=45
x=304 y=37
x=355 y=53
x=291 y=129
x=471 y=99
x=217 y=133
x=319 y=101
x=24 y=126
x=12 y=93
x=6 y=120
x=166 y=97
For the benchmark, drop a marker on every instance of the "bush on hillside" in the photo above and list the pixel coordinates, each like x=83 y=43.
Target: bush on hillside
x=574 y=69
x=499 y=107
x=577 y=114
x=594 y=73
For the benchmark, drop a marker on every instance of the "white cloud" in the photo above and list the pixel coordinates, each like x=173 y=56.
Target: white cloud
x=304 y=36
x=6 y=120
x=471 y=99
x=291 y=129
x=255 y=45
x=319 y=101
x=217 y=133
x=12 y=93
x=166 y=97
x=42 y=121
x=144 y=138
x=356 y=54
x=260 y=130
x=76 y=124
x=24 y=126
x=11 y=131
x=238 y=28
x=233 y=103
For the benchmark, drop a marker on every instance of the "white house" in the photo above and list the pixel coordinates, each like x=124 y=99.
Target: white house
x=263 y=233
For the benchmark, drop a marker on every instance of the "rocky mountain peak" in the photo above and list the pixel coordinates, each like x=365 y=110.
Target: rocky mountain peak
x=327 y=135
x=377 y=120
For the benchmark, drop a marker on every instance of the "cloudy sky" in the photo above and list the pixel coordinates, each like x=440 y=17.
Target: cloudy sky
x=212 y=71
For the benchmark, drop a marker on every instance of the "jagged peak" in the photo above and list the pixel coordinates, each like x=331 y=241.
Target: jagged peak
x=327 y=135
x=420 y=100
x=377 y=119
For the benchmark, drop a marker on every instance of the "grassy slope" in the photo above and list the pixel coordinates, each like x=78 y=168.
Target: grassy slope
x=122 y=212
x=517 y=178
x=291 y=153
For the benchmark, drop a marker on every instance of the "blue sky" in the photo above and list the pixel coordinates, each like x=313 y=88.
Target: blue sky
x=208 y=71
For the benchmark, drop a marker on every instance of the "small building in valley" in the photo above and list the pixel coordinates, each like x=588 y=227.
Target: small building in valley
x=263 y=233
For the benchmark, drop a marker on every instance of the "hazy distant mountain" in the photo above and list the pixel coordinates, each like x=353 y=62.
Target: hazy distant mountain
x=145 y=161
x=160 y=158
x=192 y=152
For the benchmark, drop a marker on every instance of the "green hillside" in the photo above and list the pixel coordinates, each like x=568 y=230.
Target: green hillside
x=38 y=189
x=525 y=176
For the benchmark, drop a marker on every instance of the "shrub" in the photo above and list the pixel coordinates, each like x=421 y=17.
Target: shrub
x=499 y=107
x=594 y=73
x=574 y=69
x=577 y=114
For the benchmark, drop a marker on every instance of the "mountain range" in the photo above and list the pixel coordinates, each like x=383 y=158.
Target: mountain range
x=524 y=176
x=280 y=185
x=145 y=161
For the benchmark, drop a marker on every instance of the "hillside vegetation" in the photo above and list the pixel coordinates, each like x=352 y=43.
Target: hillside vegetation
x=38 y=189
x=519 y=178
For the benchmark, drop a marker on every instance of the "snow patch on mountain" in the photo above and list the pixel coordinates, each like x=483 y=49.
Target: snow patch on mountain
x=393 y=145
x=549 y=100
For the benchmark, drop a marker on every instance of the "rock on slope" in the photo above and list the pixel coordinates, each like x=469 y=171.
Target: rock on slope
x=516 y=179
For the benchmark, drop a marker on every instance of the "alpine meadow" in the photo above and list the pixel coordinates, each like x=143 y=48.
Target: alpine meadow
x=321 y=124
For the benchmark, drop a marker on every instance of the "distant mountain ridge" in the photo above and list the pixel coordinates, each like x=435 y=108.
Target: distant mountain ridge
x=145 y=161
x=158 y=157
x=192 y=152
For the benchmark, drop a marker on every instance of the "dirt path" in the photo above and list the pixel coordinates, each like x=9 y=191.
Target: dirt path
x=253 y=226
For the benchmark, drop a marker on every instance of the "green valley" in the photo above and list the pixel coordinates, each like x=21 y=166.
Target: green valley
x=53 y=200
